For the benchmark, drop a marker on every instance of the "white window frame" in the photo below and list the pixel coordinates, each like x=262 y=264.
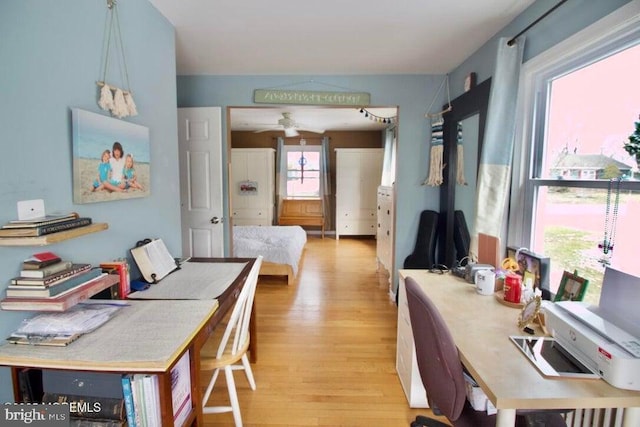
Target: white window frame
x=612 y=33
x=307 y=148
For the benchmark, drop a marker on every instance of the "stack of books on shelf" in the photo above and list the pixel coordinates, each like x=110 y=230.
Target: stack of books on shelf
x=47 y=282
x=43 y=225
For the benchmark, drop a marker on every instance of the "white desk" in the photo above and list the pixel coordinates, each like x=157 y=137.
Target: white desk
x=481 y=327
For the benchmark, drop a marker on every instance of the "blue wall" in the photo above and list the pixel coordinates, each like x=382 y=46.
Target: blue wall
x=51 y=58
x=412 y=94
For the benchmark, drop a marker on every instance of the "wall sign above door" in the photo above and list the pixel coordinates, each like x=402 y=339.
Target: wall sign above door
x=310 y=97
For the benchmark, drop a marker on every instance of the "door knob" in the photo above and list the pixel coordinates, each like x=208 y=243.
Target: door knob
x=216 y=220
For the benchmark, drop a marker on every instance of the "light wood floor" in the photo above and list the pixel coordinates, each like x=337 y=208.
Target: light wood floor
x=326 y=352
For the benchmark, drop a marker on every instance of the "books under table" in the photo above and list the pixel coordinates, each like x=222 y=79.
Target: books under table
x=89 y=407
x=61 y=302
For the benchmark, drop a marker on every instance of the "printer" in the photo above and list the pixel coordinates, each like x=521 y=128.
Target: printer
x=605 y=338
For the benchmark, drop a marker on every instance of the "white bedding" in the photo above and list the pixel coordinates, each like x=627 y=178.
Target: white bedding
x=277 y=244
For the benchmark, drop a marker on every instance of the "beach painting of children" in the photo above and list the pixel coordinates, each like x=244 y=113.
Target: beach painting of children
x=110 y=158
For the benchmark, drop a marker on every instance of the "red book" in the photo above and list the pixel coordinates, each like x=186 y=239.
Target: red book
x=122 y=269
x=40 y=260
x=45 y=256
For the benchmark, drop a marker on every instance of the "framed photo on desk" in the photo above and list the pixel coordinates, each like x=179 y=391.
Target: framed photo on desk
x=532 y=265
x=572 y=287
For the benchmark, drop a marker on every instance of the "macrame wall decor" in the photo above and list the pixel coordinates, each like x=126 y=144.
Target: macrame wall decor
x=437 y=149
x=436 y=166
x=114 y=99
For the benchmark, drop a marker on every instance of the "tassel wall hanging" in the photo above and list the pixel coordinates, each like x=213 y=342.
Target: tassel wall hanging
x=437 y=147
x=114 y=99
x=436 y=165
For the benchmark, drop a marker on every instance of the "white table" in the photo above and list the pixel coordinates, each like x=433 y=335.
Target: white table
x=481 y=327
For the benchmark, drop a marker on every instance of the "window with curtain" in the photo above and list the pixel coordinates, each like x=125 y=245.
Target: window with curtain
x=302 y=171
x=581 y=197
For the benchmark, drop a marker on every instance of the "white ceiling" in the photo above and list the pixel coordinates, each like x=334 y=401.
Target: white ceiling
x=249 y=37
x=330 y=37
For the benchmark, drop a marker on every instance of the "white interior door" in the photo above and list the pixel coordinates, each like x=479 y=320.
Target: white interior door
x=200 y=152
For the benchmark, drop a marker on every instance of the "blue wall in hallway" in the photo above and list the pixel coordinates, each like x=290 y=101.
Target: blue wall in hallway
x=51 y=58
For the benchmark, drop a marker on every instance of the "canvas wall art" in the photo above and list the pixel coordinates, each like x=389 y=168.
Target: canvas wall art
x=110 y=158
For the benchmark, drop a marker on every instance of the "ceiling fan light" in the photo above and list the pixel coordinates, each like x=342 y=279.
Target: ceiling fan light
x=290 y=132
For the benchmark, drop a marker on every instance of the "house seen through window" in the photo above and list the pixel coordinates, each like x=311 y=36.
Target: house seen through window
x=583 y=188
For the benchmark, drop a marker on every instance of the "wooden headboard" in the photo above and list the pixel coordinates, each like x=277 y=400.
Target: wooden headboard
x=302 y=212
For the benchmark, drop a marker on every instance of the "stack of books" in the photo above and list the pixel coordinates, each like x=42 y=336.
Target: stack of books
x=46 y=278
x=95 y=399
x=43 y=225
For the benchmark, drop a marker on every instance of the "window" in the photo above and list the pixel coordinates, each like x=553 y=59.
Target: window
x=580 y=103
x=303 y=171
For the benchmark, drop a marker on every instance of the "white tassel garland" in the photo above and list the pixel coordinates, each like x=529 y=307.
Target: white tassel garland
x=106 y=98
x=131 y=106
x=120 y=109
x=435 y=168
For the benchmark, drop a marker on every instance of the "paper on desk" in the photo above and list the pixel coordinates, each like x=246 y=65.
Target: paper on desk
x=79 y=319
x=195 y=280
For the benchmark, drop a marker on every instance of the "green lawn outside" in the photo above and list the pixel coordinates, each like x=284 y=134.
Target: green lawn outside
x=569 y=247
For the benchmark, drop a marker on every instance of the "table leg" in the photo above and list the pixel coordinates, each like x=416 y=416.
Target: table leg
x=506 y=418
x=631 y=417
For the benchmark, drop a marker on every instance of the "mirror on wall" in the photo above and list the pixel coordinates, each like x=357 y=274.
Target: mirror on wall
x=465 y=194
x=468 y=113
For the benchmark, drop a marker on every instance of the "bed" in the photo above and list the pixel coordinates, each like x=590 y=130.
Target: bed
x=280 y=246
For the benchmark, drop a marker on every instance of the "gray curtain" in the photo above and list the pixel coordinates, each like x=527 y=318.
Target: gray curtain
x=280 y=184
x=325 y=183
x=494 y=174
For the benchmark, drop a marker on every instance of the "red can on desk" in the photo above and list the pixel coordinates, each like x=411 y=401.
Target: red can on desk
x=512 y=288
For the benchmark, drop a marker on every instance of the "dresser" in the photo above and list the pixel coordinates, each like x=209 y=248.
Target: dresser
x=385 y=229
x=406 y=363
x=252 y=186
x=358 y=174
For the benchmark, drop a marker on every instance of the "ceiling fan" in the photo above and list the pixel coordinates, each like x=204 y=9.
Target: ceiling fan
x=289 y=126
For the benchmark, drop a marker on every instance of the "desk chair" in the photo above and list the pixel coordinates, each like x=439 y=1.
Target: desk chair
x=225 y=351
x=441 y=371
